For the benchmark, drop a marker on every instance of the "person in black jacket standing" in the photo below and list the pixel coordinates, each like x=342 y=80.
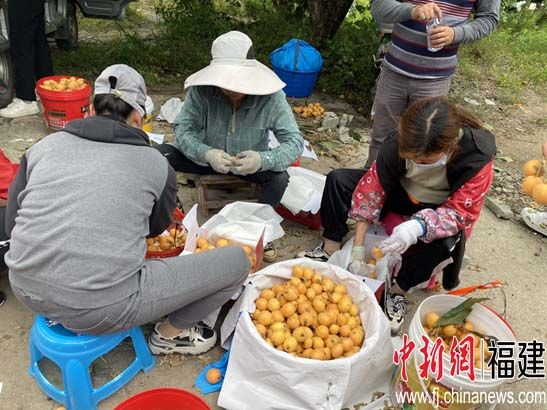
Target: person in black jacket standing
x=30 y=53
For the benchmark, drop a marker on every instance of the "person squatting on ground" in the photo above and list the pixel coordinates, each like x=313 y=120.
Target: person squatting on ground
x=79 y=211
x=30 y=52
x=409 y=70
x=427 y=187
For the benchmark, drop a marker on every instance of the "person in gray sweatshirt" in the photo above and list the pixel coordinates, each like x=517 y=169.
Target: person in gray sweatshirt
x=411 y=70
x=79 y=211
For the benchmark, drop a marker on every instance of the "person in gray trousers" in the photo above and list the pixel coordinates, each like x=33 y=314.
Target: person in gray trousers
x=411 y=69
x=79 y=211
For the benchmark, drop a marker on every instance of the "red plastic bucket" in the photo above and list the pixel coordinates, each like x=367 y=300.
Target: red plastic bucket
x=164 y=399
x=177 y=216
x=60 y=107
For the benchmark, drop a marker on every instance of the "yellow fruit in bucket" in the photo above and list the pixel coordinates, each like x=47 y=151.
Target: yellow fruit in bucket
x=431 y=319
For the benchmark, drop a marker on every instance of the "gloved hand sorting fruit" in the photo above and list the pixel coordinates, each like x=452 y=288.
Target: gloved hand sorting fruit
x=427 y=187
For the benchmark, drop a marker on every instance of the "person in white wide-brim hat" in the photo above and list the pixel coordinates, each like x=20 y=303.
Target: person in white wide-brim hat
x=224 y=127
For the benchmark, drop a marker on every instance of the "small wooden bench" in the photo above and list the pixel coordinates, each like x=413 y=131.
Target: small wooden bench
x=224 y=182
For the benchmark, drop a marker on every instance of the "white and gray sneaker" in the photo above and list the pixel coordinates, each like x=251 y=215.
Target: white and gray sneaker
x=195 y=340
x=535 y=220
x=395 y=312
x=19 y=108
x=317 y=254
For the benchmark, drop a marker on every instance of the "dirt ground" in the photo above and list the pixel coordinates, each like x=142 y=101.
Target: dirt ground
x=498 y=249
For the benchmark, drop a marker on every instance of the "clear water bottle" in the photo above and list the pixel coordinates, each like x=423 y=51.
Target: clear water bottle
x=429 y=26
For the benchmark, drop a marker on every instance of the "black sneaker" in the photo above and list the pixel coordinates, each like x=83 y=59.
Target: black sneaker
x=317 y=254
x=196 y=340
x=3 y=298
x=395 y=311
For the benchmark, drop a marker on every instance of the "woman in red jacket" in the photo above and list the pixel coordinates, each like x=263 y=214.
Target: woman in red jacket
x=7 y=173
x=429 y=183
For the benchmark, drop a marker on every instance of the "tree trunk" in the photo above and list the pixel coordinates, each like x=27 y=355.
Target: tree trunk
x=326 y=17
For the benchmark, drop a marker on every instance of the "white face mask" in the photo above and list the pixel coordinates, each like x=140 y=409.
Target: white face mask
x=439 y=163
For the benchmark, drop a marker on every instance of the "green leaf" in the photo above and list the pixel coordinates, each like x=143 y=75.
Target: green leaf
x=457 y=315
x=356 y=136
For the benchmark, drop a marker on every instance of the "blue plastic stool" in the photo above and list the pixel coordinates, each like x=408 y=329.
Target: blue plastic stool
x=74 y=354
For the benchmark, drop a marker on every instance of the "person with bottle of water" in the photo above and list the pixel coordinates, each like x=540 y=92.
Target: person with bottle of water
x=423 y=53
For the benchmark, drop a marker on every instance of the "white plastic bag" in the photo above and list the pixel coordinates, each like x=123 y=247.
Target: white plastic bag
x=304 y=191
x=260 y=377
x=307 y=151
x=258 y=213
x=170 y=109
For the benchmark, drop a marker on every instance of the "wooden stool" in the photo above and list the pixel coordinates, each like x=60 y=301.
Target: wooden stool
x=204 y=182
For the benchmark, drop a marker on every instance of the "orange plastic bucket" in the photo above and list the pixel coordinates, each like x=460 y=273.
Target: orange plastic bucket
x=60 y=107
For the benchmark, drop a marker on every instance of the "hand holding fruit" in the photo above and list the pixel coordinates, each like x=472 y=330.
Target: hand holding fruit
x=403 y=236
x=357 y=264
x=247 y=162
x=219 y=160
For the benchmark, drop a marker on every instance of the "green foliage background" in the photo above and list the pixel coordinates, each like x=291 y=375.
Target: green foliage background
x=511 y=58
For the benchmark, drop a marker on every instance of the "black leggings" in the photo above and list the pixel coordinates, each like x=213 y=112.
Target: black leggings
x=29 y=46
x=418 y=261
x=273 y=183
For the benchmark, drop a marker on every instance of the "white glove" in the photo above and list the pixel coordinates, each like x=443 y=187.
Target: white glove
x=247 y=162
x=403 y=236
x=219 y=160
x=357 y=265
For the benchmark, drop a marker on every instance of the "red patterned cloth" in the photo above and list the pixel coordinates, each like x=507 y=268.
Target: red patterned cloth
x=7 y=173
x=459 y=212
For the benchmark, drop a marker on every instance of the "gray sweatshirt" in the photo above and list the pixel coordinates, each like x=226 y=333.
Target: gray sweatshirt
x=82 y=204
x=408 y=54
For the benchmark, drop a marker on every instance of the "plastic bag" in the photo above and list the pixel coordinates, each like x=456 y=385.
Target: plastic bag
x=260 y=377
x=304 y=191
x=297 y=55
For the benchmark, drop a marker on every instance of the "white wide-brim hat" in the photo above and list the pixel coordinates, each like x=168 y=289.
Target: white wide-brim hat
x=234 y=68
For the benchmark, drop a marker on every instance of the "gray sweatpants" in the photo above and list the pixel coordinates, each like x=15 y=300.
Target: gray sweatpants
x=394 y=93
x=186 y=288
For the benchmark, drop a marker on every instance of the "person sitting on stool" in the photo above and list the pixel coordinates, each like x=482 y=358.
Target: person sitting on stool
x=224 y=124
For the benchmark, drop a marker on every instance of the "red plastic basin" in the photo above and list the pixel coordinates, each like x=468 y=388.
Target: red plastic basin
x=164 y=399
